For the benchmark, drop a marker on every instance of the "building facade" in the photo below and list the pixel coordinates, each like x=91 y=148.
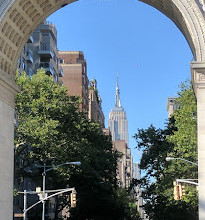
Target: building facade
x=75 y=76
x=118 y=126
x=117 y=122
x=171 y=105
x=95 y=104
x=124 y=171
x=138 y=191
x=40 y=51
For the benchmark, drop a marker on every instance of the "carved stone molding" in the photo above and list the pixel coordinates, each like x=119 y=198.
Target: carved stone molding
x=198 y=75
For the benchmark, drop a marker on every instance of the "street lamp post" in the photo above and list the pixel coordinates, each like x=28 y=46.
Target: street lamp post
x=56 y=192
x=44 y=189
x=25 y=205
x=190 y=181
x=44 y=195
x=173 y=158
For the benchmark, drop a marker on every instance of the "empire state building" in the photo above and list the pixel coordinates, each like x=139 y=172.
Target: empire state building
x=117 y=122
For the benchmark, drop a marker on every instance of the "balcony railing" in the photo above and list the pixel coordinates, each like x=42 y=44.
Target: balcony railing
x=29 y=56
x=46 y=25
x=48 y=67
x=46 y=51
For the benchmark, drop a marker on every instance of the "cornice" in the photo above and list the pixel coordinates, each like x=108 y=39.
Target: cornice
x=198 y=75
x=8 y=90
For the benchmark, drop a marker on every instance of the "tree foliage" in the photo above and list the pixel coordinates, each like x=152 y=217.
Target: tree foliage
x=52 y=130
x=178 y=140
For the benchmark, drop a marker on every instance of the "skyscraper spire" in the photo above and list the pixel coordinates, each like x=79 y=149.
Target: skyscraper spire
x=117 y=96
x=117 y=122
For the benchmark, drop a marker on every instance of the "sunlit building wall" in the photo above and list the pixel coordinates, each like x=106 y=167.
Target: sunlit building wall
x=171 y=105
x=75 y=76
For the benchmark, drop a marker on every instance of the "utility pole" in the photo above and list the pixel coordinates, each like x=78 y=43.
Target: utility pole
x=56 y=192
x=44 y=194
x=25 y=205
x=44 y=188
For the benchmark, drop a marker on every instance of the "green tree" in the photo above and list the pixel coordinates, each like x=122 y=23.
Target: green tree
x=185 y=141
x=185 y=137
x=178 y=139
x=51 y=130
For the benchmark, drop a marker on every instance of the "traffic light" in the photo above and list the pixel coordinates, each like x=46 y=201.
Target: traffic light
x=73 y=199
x=182 y=190
x=179 y=190
x=176 y=191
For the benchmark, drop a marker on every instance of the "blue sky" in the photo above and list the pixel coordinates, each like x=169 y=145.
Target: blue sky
x=144 y=46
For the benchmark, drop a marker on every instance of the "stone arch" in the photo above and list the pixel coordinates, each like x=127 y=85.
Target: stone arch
x=188 y=15
x=19 y=18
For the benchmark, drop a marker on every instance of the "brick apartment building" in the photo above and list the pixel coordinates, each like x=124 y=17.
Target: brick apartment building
x=75 y=76
x=75 y=79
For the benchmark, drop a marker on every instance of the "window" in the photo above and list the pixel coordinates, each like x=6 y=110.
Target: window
x=23 y=66
x=61 y=60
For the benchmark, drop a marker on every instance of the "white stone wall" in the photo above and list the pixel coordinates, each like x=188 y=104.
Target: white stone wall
x=6 y=160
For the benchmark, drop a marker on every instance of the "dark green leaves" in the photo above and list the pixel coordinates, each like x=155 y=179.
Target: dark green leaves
x=179 y=140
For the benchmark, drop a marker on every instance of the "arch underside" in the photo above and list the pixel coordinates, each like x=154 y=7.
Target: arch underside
x=19 y=18
x=188 y=16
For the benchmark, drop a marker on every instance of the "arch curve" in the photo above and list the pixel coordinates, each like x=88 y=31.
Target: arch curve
x=188 y=15
x=19 y=18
